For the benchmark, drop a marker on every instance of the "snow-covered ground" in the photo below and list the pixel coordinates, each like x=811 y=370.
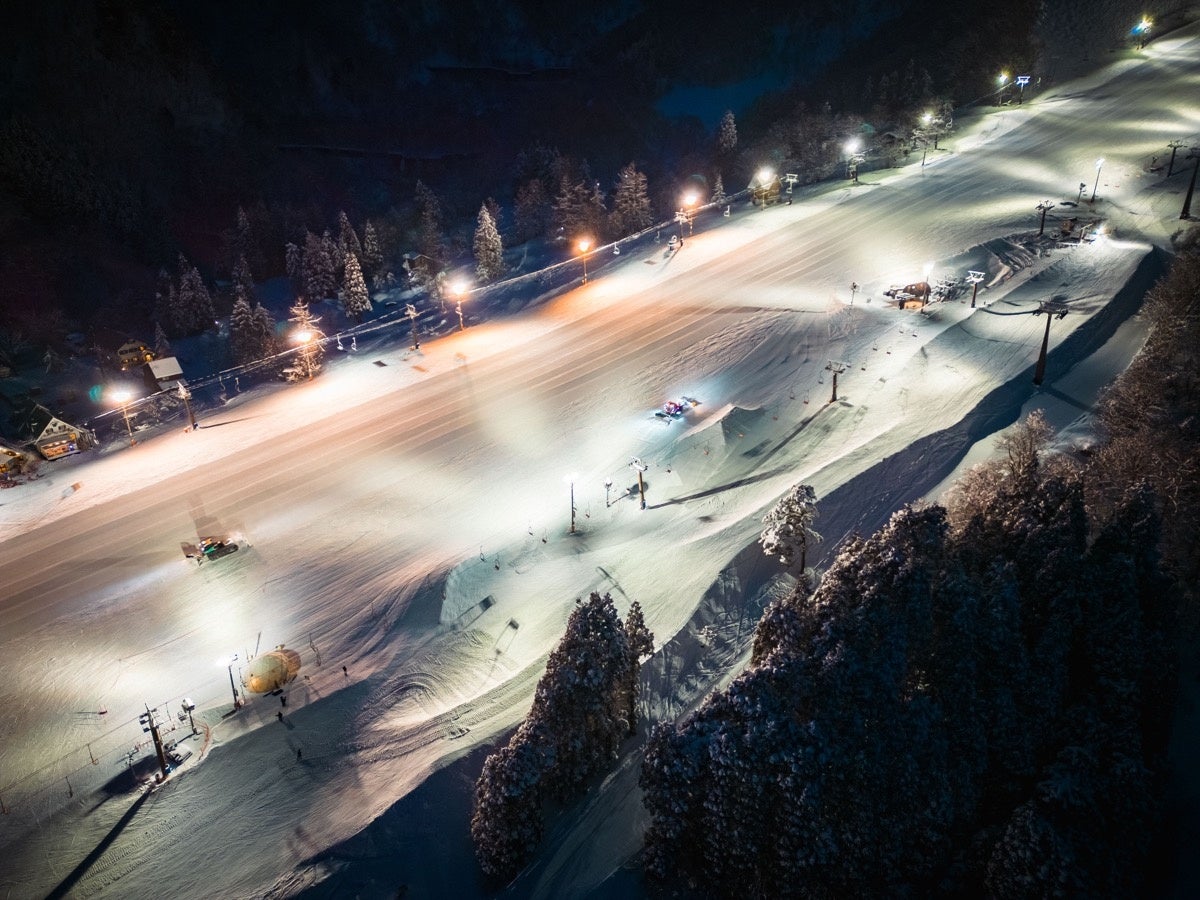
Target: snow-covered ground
x=407 y=513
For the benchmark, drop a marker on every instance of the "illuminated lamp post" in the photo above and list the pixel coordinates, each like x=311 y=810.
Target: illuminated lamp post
x=764 y=180
x=690 y=199
x=228 y=663
x=584 y=246
x=459 y=290
x=122 y=397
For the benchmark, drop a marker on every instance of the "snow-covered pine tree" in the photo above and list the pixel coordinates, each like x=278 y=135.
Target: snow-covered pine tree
x=193 y=309
x=430 y=240
x=243 y=340
x=293 y=261
x=787 y=532
x=727 y=136
x=641 y=644
x=631 y=203
x=242 y=280
x=347 y=240
x=311 y=351
x=319 y=279
x=532 y=210
x=355 y=299
x=162 y=347
x=372 y=257
x=488 y=249
x=506 y=821
x=718 y=194
x=264 y=331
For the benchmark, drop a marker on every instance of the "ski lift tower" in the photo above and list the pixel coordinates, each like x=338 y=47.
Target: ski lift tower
x=837 y=367
x=1051 y=309
x=974 y=278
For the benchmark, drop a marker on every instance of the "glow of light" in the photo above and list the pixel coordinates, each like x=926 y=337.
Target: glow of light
x=304 y=336
x=690 y=198
x=927 y=118
x=584 y=245
x=120 y=396
x=764 y=175
x=852 y=145
x=458 y=288
x=1099 y=163
x=1003 y=78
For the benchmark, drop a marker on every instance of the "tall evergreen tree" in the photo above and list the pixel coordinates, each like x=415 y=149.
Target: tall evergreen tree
x=430 y=239
x=787 y=528
x=355 y=299
x=489 y=252
x=193 y=310
x=264 y=331
x=319 y=278
x=293 y=260
x=727 y=136
x=718 y=194
x=242 y=280
x=243 y=337
x=311 y=352
x=631 y=203
x=532 y=210
x=162 y=347
x=347 y=240
x=371 y=258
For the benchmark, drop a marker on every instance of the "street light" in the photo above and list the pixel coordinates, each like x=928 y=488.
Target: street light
x=228 y=662
x=122 y=397
x=690 y=199
x=1099 y=165
x=853 y=158
x=459 y=289
x=305 y=338
x=584 y=246
x=764 y=179
x=570 y=480
x=185 y=395
x=1002 y=80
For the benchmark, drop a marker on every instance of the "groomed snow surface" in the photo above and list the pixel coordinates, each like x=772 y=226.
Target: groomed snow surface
x=406 y=514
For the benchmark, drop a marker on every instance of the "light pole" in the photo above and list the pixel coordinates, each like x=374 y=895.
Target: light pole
x=1082 y=188
x=853 y=159
x=570 y=480
x=1002 y=80
x=1174 y=146
x=237 y=703
x=1099 y=165
x=764 y=179
x=411 y=312
x=459 y=289
x=305 y=338
x=690 y=199
x=185 y=395
x=122 y=397
x=584 y=246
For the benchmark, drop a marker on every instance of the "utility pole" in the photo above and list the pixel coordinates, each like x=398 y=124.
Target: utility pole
x=1045 y=206
x=411 y=312
x=1051 y=309
x=151 y=726
x=836 y=367
x=974 y=278
x=638 y=466
x=189 y=707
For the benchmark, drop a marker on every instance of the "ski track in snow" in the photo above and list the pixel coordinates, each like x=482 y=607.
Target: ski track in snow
x=409 y=521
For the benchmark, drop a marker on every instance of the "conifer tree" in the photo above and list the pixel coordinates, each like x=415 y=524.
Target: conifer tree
x=319 y=278
x=718 y=195
x=788 y=531
x=192 y=312
x=347 y=240
x=488 y=249
x=243 y=338
x=371 y=258
x=355 y=299
x=242 y=280
x=264 y=331
x=631 y=203
x=727 y=136
x=162 y=347
x=293 y=260
x=311 y=351
x=430 y=240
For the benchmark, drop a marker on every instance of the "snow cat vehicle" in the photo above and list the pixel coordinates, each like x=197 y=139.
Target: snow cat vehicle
x=674 y=409
x=209 y=548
